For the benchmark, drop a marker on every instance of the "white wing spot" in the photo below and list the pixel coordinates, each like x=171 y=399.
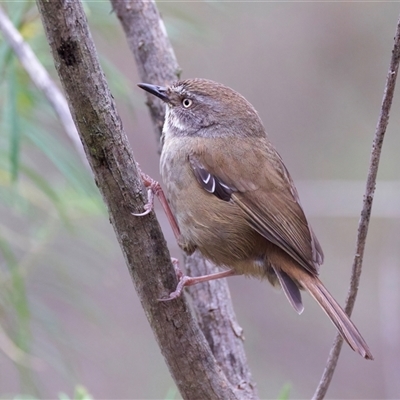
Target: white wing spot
x=213 y=186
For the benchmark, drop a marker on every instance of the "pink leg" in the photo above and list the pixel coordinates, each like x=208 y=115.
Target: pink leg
x=154 y=188
x=189 y=281
x=175 y=264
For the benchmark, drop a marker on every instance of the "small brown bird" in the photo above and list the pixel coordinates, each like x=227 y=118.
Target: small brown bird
x=234 y=200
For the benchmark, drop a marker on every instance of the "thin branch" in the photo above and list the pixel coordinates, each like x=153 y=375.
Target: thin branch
x=157 y=64
x=41 y=79
x=187 y=354
x=365 y=212
x=18 y=356
x=150 y=45
x=217 y=319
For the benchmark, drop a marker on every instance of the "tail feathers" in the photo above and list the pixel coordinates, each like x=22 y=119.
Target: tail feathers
x=338 y=317
x=291 y=290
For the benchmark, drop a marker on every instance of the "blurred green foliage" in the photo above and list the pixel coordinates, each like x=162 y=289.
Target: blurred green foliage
x=284 y=394
x=80 y=393
x=45 y=190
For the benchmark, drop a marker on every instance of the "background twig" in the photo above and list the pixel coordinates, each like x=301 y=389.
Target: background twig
x=365 y=212
x=41 y=79
x=212 y=303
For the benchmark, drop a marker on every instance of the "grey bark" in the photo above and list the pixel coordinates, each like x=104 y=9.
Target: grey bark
x=196 y=372
x=157 y=64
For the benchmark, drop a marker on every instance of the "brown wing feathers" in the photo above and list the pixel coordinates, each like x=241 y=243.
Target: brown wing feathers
x=277 y=215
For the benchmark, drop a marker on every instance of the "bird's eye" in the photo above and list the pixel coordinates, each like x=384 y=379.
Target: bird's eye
x=187 y=103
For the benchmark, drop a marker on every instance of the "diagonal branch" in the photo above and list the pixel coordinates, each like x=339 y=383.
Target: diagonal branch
x=41 y=79
x=191 y=363
x=365 y=212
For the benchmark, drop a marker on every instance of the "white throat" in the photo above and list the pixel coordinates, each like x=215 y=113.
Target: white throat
x=172 y=122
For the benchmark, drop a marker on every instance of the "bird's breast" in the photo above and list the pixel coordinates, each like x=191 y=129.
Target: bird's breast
x=216 y=227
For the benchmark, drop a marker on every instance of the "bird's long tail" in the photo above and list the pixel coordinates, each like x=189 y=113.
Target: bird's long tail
x=336 y=314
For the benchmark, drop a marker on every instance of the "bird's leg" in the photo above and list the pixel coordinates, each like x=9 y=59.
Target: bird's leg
x=178 y=272
x=154 y=188
x=189 y=281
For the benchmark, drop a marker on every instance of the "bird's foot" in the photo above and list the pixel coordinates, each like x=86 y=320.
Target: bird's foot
x=153 y=188
x=185 y=280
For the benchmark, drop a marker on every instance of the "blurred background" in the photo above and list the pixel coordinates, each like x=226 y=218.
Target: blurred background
x=315 y=71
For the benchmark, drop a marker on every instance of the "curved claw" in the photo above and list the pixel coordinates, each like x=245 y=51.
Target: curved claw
x=178 y=291
x=189 y=281
x=148 y=211
x=180 y=276
x=148 y=207
x=168 y=298
x=178 y=272
x=154 y=188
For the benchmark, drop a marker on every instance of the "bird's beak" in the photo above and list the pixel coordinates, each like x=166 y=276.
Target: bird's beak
x=159 y=91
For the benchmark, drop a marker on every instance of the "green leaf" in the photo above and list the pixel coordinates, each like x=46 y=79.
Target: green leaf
x=285 y=392
x=45 y=187
x=13 y=118
x=81 y=393
x=16 y=11
x=5 y=55
x=172 y=393
x=63 y=158
x=7 y=253
x=17 y=296
x=119 y=84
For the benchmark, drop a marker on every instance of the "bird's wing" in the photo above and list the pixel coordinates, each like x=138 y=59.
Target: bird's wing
x=253 y=177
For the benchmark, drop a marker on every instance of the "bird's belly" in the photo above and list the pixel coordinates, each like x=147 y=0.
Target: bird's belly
x=216 y=227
